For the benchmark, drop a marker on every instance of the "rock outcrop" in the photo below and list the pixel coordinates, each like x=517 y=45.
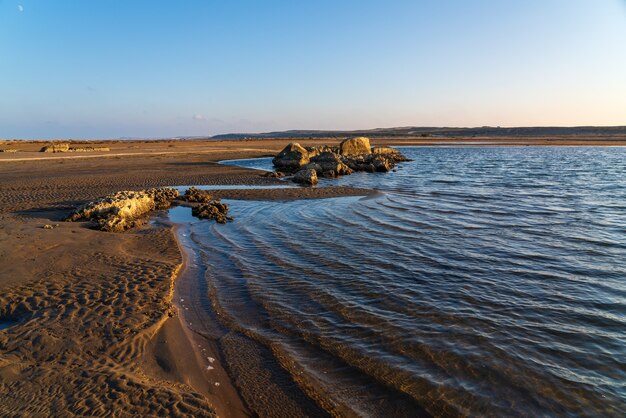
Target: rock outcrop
x=214 y=210
x=352 y=154
x=307 y=177
x=124 y=210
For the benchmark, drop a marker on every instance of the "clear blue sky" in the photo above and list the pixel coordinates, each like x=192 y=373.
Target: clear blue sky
x=107 y=69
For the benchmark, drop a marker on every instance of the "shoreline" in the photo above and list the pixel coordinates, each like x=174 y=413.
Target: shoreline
x=204 y=330
x=79 y=299
x=205 y=371
x=28 y=150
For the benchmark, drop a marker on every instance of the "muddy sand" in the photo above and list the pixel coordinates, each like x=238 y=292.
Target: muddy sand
x=89 y=324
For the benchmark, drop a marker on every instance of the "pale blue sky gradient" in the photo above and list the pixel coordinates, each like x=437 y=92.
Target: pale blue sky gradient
x=107 y=69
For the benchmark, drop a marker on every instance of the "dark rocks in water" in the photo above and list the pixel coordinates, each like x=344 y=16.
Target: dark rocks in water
x=209 y=207
x=214 y=210
x=374 y=162
x=292 y=157
x=328 y=164
x=306 y=176
x=195 y=195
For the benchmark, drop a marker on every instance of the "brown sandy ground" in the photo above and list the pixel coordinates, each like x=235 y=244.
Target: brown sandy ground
x=91 y=325
x=86 y=306
x=88 y=313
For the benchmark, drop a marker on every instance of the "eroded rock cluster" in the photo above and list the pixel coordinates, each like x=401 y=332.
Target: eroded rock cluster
x=353 y=154
x=124 y=210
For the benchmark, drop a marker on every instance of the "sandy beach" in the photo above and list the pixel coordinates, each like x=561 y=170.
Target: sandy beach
x=94 y=323
x=96 y=326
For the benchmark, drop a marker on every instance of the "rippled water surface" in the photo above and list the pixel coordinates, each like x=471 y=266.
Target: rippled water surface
x=482 y=281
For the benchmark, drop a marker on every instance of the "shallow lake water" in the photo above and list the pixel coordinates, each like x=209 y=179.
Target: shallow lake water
x=482 y=281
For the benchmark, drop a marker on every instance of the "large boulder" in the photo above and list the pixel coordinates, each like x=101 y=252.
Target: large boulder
x=306 y=176
x=292 y=157
x=355 y=146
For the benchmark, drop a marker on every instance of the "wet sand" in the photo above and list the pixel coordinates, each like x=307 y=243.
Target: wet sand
x=92 y=323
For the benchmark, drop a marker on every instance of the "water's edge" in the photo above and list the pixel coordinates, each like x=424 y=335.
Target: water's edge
x=438 y=289
x=231 y=359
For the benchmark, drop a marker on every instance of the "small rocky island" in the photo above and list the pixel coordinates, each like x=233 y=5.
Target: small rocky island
x=306 y=164
x=124 y=210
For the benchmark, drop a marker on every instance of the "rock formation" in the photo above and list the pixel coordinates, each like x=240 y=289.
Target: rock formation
x=353 y=154
x=124 y=210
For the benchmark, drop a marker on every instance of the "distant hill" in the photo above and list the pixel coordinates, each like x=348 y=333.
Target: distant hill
x=487 y=131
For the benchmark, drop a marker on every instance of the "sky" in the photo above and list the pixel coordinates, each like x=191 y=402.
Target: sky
x=119 y=68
